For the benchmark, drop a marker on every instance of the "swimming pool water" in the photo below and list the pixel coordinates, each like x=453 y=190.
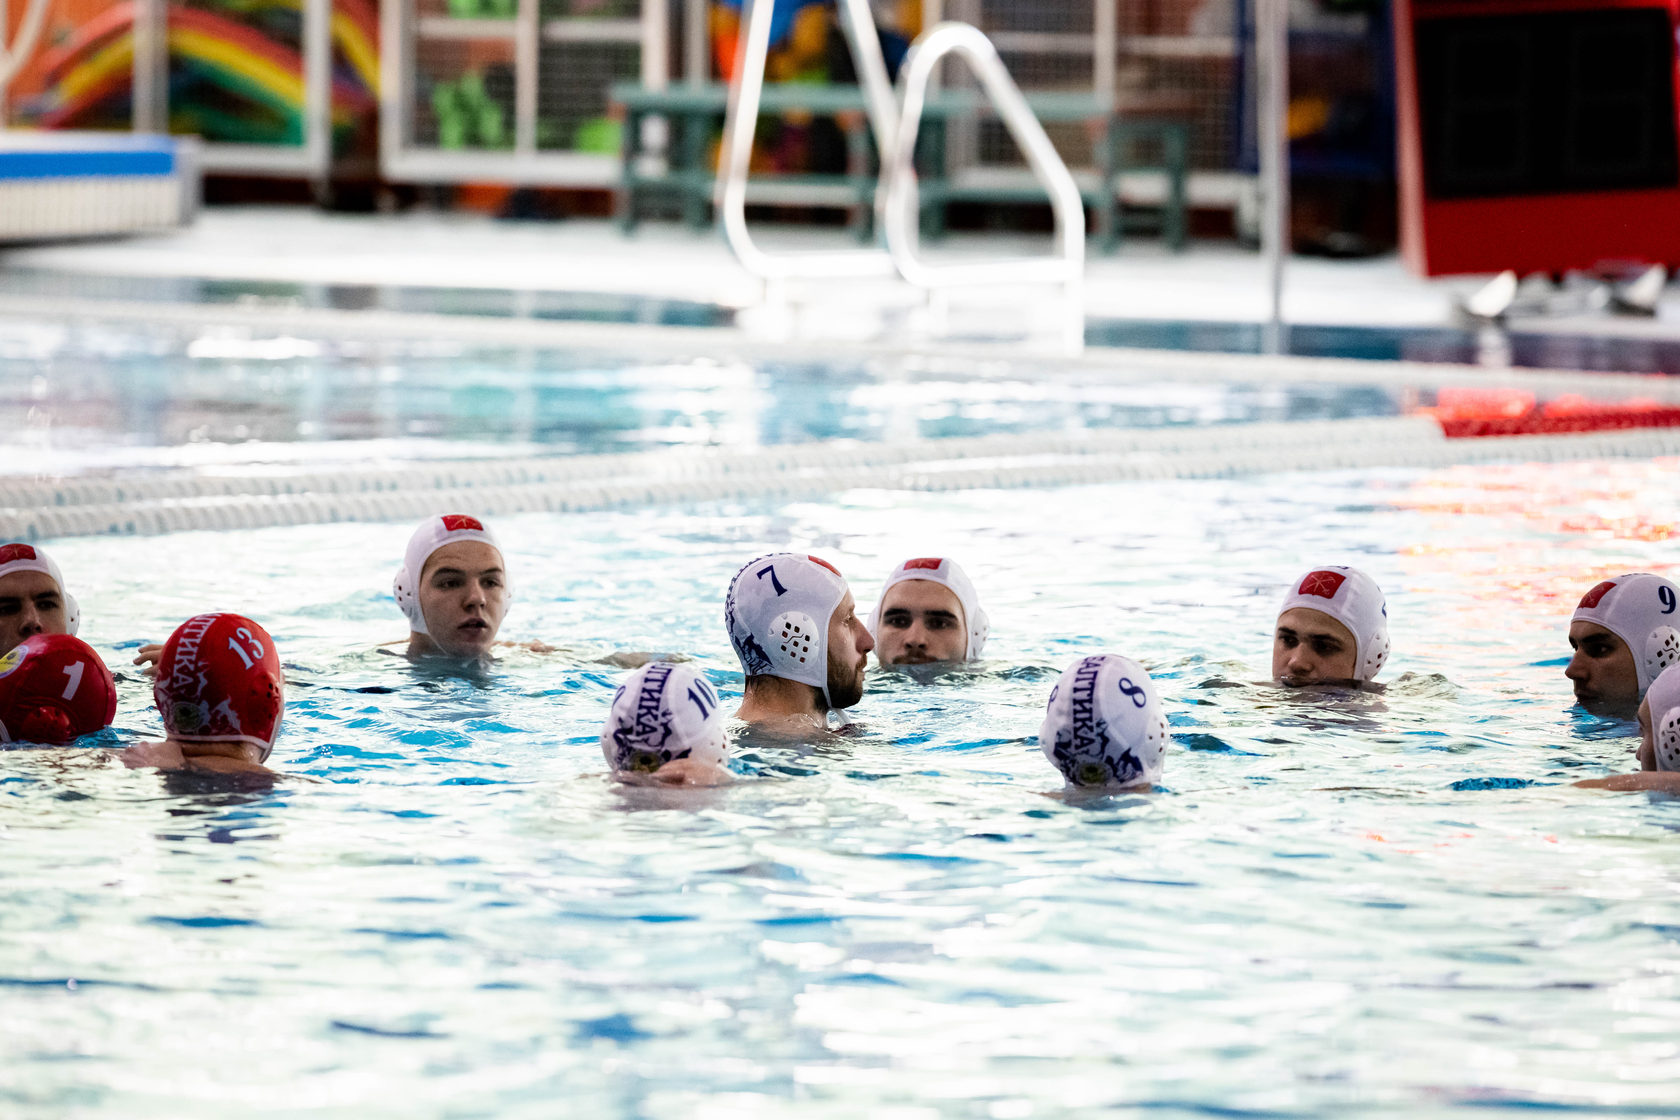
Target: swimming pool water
x=1346 y=905
x=91 y=399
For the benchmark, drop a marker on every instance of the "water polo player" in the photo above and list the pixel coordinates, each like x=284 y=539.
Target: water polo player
x=54 y=689
x=928 y=612
x=1103 y=727
x=453 y=587
x=1332 y=628
x=32 y=596
x=803 y=649
x=665 y=723
x=1659 y=740
x=221 y=693
x=1624 y=632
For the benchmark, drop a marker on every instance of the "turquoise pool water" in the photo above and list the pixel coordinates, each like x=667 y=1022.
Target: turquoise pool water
x=1345 y=905
x=78 y=399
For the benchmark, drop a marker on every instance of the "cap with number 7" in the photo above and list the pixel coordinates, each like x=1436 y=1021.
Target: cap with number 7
x=219 y=680
x=54 y=689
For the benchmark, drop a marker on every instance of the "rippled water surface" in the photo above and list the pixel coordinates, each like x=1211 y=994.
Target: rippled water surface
x=1339 y=905
x=78 y=398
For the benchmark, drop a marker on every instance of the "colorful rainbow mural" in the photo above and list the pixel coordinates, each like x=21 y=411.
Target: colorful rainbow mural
x=95 y=65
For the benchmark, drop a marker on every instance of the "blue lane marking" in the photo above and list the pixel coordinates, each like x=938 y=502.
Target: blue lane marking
x=67 y=165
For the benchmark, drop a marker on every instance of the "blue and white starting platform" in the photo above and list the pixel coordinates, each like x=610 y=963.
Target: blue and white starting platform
x=88 y=184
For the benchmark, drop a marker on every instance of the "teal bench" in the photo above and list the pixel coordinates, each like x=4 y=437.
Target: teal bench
x=696 y=111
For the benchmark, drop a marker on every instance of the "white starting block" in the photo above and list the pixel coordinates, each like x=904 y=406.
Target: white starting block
x=88 y=184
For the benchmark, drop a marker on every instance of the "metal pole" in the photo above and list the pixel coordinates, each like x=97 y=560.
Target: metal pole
x=150 y=110
x=527 y=52
x=1271 y=32
x=317 y=79
x=697 y=60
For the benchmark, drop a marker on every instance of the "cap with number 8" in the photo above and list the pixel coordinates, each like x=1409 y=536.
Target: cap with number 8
x=219 y=680
x=54 y=689
x=1104 y=725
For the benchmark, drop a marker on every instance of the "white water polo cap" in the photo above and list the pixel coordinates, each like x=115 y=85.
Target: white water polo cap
x=777 y=613
x=1642 y=610
x=660 y=713
x=1104 y=725
x=1353 y=599
x=1663 y=697
x=433 y=534
x=948 y=573
x=27 y=558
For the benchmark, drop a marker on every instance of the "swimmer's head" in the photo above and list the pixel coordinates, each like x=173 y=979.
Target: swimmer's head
x=1624 y=632
x=1104 y=726
x=1659 y=721
x=661 y=713
x=32 y=596
x=219 y=681
x=928 y=611
x=54 y=689
x=1333 y=626
x=453 y=585
x=792 y=616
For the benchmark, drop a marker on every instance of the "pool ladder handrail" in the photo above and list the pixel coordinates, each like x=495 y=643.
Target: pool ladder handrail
x=895 y=119
x=740 y=126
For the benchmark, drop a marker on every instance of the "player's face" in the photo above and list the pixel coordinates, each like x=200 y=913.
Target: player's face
x=463 y=594
x=1310 y=647
x=1601 y=669
x=921 y=621
x=30 y=604
x=849 y=644
x=1647 y=740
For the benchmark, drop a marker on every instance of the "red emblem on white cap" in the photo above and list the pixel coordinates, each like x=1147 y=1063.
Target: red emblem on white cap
x=1324 y=584
x=1591 y=599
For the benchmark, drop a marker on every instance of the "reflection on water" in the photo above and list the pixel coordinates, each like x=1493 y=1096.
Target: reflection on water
x=88 y=399
x=1339 y=904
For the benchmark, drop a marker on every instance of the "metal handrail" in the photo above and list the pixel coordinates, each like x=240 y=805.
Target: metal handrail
x=741 y=125
x=897 y=203
x=896 y=121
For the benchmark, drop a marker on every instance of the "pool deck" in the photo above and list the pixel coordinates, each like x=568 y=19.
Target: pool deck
x=1212 y=281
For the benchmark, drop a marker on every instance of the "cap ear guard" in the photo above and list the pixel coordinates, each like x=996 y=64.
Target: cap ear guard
x=1376 y=656
x=1662 y=650
x=795 y=634
x=1666 y=738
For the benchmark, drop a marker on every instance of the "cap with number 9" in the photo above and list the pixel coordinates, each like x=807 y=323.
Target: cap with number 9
x=219 y=680
x=54 y=689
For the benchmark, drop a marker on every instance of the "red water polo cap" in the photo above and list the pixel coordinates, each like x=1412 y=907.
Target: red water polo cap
x=54 y=689
x=220 y=680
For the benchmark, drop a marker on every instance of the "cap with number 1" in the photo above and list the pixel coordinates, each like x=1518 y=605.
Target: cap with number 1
x=54 y=689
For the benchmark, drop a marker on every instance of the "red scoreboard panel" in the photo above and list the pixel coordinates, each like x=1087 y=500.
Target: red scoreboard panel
x=1538 y=135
